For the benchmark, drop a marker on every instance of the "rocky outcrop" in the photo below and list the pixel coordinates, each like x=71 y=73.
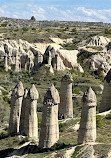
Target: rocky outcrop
x=98 y=41
x=16 y=103
x=20 y=55
x=33 y=18
x=99 y=63
x=106 y=97
x=31 y=120
x=66 y=105
x=87 y=130
x=51 y=57
x=49 y=133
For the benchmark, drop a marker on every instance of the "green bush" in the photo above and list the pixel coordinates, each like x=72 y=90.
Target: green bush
x=25 y=29
x=61 y=127
x=99 y=122
x=4 y=93
x=58 y=146
x=107 y=31
x=76 y=151
x=33 y=28
x=3 y=25
x=72 y=71
x=75 y=91
x=3 y=135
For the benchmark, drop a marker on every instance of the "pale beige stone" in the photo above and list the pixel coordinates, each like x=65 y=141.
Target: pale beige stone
x=16 y=103
x=66 y=105
x=49 y=133
x=87 y=130
x=31 y=120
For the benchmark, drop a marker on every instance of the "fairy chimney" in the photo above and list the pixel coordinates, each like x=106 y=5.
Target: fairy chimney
x=23 y=110
x=6 y=62
x=49 y=133
x=31 y=120
x=87 y=130
x=66 y=105
x=16 y=103
x=106 y=96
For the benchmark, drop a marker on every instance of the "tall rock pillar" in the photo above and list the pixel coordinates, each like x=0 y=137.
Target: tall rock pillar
x=6 y=62
x=31 y=120
x=16 y=103
x=23 y=110
x=87 y=130
x=106 y=96
x=66 y=105
x=49 y=133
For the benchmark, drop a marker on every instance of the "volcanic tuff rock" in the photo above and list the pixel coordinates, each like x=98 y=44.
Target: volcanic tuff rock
x=16 y=104
x=98 y=41
x=31 y=120
x=49 y=133
x=66 y=106
x=87 y=130
x=23 y=110
x=21 y=54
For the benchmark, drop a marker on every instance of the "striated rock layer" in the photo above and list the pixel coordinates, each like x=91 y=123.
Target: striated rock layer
x=66 y=106
x=87 y=130
x=16 y=103
x=49 y=133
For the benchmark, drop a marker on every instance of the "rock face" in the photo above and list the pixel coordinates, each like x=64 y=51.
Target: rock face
x=49 y=133
x=31 y=120
x=20 y=55
x=66 y=106
x=23 y=110
x=99 y=63
x=87 y=130
x=51 y=57
x=106 y=97
x=98 y=41
x=16 y=103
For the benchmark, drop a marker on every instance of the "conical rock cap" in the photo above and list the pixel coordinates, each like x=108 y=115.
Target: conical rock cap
x=89 y=97
x=18 y=90
x=52 y=94
x=67 y=77
x=33 y=93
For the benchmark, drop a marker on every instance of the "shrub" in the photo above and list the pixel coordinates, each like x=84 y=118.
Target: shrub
x=25 y=29
x=3 y=135
x=57 y=146
x=76 y=151
x=72 y=71
x=99 y=122
x=58 y=88
x=33 y=28
x=76 y=91
x=61 y=126
x=3 y=25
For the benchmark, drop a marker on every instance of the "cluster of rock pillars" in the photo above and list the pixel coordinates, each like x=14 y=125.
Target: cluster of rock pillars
x=23 y=115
